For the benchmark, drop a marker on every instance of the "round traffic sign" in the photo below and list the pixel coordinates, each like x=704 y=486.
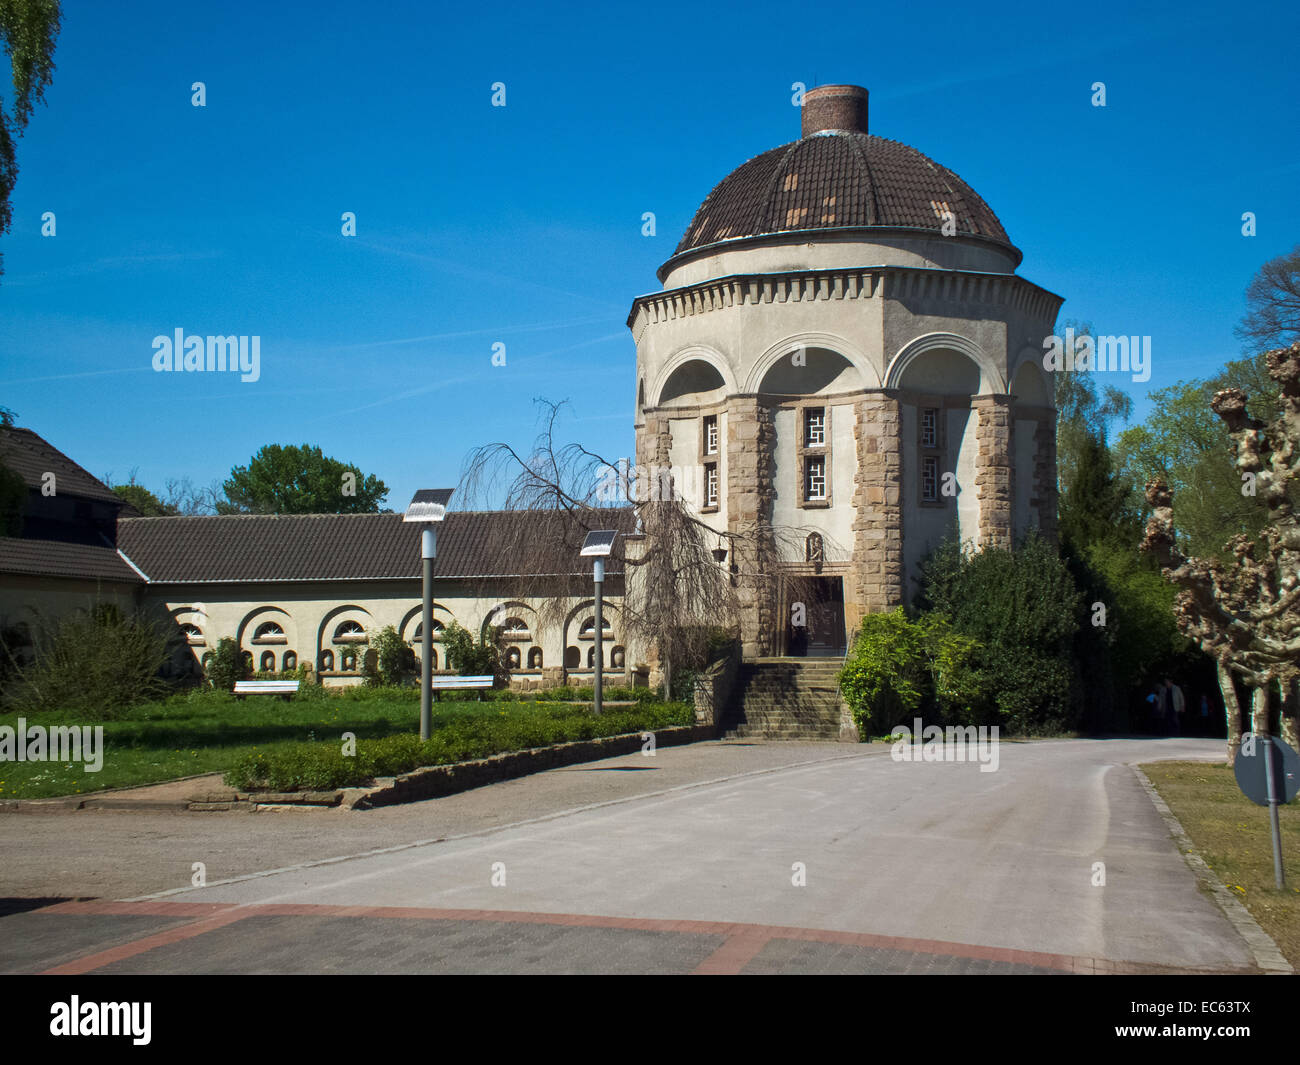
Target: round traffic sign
x=1251 y=767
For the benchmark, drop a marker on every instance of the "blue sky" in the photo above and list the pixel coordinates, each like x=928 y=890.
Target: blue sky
x=522 y=225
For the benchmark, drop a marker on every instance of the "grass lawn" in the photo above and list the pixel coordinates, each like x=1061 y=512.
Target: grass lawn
x=209 y=732
x=1232 y=834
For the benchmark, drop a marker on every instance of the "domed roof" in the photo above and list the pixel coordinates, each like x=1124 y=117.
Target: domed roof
x=836 y=178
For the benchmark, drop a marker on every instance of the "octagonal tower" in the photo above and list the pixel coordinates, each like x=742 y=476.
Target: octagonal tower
x=842 y=368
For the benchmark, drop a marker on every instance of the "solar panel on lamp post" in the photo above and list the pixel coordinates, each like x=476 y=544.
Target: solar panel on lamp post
x=428 y=505
x=599 y=545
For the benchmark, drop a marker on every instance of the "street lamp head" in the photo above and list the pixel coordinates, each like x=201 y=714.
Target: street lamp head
x=599 y=543
x=428 y=504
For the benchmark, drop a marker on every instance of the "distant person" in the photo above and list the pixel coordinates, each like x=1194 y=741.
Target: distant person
x=1204 y=723
x=1174 y=706
x=1155 y=709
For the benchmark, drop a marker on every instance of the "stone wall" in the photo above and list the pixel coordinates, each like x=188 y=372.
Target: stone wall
x=713 y=687
x=995 y=476
x=877 y=502
x=751 y=445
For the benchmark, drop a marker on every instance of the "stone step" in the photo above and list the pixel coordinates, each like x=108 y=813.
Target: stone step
x=781 y=734
x=786 y=699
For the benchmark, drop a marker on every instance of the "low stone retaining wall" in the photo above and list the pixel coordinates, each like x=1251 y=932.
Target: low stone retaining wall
x=433 y=781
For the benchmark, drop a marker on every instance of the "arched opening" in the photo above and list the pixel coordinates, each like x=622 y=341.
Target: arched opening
x=1030 y=387
x=617 y=658
x=290 y=661
x=512 y=658
x=350 y=632
x=588 y=629
x=534 y=658
x=327 y=661
x=942 y=372
x=693 y=383
x=808 y=371
x=572 y=657
x=268 y=662
x=269 y=632
x=515 y=629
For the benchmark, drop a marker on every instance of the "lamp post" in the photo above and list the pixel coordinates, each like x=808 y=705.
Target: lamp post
x=598 y=545
x=428 y=505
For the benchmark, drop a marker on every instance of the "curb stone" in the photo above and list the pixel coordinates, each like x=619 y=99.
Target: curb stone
x=1260 y=943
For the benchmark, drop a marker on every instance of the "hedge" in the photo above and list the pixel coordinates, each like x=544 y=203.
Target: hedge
x=323 y=765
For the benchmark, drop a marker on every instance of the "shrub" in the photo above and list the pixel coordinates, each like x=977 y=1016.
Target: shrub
x=226 y=665
x=470 y=658
x=95 y=663
x=389 y=662
x=320 y=766
x=898 y=667
x=1024 y=609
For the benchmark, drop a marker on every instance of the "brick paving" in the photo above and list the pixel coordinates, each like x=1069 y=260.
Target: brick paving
x=174 y=938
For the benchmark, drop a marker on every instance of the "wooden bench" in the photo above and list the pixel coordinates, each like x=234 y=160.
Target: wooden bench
x=455 y=684
x=283 y=688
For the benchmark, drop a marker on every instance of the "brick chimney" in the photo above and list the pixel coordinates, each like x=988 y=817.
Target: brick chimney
x=835 y=107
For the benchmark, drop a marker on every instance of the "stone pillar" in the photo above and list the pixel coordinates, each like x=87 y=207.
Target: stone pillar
x=994 y=469
x=877 y=505
x=751 y=440
x=653 y=442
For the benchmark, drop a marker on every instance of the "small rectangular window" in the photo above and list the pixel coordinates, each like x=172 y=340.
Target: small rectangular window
x=814 y=427
x=815 y=478
x=711 y=485
x=929 y=479
x=930 y=427
x=711 y=435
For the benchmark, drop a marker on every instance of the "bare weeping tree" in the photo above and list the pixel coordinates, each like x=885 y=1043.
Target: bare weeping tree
x=678 y=586
x=1245 y=613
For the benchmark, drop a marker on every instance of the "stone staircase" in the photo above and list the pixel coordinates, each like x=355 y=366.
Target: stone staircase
x=785 y=699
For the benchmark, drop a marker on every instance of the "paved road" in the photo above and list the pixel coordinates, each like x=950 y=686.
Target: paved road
x=715 y=857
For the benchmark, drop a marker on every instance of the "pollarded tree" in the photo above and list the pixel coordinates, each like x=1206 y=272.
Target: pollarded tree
x=1244 y=611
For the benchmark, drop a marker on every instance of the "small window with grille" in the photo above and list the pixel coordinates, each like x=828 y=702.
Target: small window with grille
x=815 y=478
x=929 y=479
x=930 y=427
x=711 y=435
x=711 y=484
x=814 y=427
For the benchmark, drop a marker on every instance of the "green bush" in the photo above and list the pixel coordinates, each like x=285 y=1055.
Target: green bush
x=1023 y=608
x=899 y=667
x=322 y=765
x=226 y=665
x=389 y=663
x=475 y=659
x=96 y=664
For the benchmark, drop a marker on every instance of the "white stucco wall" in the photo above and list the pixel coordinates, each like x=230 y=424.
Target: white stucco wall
x=310 y=613
x=774 y=256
